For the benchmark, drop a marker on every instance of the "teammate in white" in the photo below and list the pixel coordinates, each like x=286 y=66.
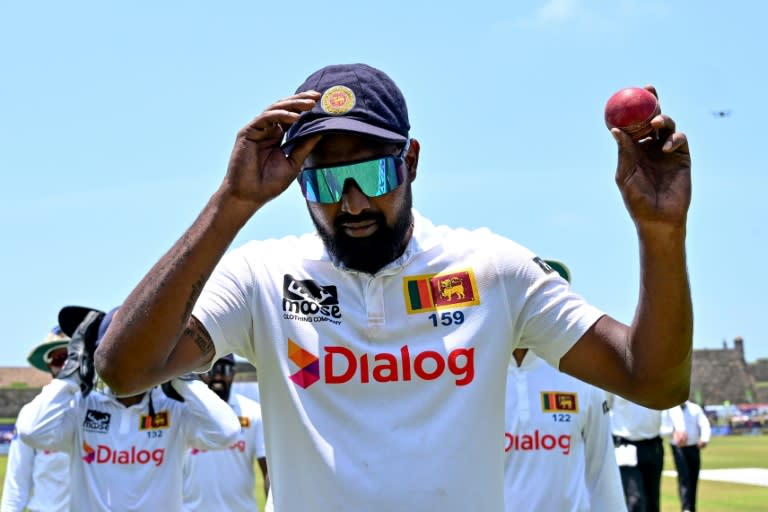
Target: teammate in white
x=558 y=444
x=38 y=480
x=125 y=453
x=382 y=341
x=225 y=479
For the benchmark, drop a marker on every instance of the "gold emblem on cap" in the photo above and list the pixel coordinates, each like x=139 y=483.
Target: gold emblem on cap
x=338 y=100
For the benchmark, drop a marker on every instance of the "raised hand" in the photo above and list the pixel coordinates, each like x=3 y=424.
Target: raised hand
x=654 y=174
x=258 y=169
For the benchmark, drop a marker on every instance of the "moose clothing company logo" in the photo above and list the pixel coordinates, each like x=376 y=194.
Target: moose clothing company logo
x=341 y=365
x=306 y=301
x=104 y=454
x=96 y=421
x=438 y=291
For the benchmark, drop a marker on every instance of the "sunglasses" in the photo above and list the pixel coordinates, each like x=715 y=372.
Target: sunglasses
x=57 y=359
x=374 y=177
x=225 y=370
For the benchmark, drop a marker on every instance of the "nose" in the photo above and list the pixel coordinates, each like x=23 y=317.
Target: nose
x=353 y=201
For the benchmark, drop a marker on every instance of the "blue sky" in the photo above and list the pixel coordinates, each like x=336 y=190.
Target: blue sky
x=117 y=120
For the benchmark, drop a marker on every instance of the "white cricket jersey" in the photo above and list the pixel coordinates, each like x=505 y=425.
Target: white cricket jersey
x=385 y=392
x=558 y=445
x=121 y=458
x=225 y=479
x=35 y=480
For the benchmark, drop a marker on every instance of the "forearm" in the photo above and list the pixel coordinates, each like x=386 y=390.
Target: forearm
x=661 y=335
x=140 y=349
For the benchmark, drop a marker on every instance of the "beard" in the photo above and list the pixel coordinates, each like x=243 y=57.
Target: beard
x=371 y=253
x=221 y=389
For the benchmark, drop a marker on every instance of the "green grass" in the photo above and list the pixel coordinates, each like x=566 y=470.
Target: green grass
x=723 y=452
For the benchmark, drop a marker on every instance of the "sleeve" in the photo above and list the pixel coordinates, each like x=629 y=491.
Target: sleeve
x=667 y=428
x=601 y=470
x=51 y=423
x=18 y=476
x=209 y=422
x=705 y=429
x=551 y=316
x=223 y=307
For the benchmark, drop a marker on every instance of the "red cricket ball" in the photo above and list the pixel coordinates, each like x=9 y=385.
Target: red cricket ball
x=632 y=109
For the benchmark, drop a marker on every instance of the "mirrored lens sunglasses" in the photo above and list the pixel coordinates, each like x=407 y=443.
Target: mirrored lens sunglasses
x=374 y=177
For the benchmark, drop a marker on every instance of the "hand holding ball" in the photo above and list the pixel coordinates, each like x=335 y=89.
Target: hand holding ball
x=631 y=110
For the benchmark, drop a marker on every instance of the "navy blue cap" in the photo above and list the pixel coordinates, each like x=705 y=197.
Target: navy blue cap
x=70 y=317
x=356 y=98
x=229 y=358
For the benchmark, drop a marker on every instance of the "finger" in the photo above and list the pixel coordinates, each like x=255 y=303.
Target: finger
x=663 y=122
x=675 y=142
x=626 y=147
x=652 y=90
x=302 y=149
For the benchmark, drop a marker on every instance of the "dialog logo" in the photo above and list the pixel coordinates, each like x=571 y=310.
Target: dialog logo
x=104 y=454
x=537 y=441
x=341 y=365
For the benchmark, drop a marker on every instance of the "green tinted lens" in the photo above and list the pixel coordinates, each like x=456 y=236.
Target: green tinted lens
x=373 y=177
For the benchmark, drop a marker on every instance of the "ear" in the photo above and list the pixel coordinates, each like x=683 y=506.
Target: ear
x=412 y=159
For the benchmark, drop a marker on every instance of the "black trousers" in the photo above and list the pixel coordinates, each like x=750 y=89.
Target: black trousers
x=642 y=483
x=688 y=464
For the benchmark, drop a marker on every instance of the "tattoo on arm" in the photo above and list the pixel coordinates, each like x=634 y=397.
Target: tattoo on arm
x=200 y=336
x=197 y=288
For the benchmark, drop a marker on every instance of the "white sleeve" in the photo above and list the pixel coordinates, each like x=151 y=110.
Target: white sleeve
x=18 y=476
x=209 y=422
x=258 y=437
x=705 y=429
x=51 y=424
x=667 y=428
x=602 y=473
x=223 y=307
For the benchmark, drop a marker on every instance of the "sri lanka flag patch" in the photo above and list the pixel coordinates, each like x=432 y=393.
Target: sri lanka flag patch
x=431 y=292
x=557 y=401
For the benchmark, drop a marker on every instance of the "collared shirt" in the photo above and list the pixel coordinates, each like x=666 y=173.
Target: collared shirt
x=122 y=458
x=690 y=419
x=35 y=480
x=632 y=421
x=373 y=385
x=225 y=479
x=558 y=444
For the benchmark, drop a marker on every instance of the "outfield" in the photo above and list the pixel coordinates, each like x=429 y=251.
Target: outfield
x=723 y=453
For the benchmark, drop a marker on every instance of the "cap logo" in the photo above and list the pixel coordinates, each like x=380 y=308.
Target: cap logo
x=338 y=100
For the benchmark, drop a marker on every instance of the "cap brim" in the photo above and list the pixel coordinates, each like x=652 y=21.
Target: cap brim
x=72 y=316
x=344 y=125
x=37 y=357
x=560 y=268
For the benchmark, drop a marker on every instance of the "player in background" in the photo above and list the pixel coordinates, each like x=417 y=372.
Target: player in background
x=558 y=445
x=38 y=480
x=126 y=453
x=691 y=432
x=639 y=452
x=225 y=479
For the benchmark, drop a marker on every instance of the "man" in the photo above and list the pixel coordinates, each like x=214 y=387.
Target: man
x=225 y=479
x=691 y=431
x=382 y=342
x=639 y=453
x=126 y=452
x=38 y=480
x=558 y=445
